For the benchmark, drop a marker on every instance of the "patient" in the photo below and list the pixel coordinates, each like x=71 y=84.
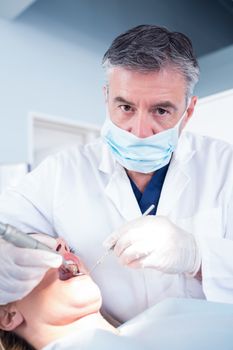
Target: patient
x=63 y=312
x=59 y=305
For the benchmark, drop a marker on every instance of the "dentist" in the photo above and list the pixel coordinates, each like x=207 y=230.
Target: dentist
x=96 y=193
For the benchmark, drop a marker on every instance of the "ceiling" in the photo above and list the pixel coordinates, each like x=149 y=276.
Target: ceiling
x=10 y=9
x=208 y=23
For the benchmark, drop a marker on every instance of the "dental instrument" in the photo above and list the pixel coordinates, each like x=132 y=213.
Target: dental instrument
x=22 y=240
x=101 y=259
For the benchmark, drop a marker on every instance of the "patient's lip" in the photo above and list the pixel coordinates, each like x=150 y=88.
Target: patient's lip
x=71 y=257
x=64 y=273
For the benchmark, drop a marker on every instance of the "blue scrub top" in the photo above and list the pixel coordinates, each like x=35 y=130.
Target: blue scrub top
x=152 y=191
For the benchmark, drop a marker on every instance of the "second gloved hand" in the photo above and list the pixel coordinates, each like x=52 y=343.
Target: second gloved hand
x=155 y=242
x=22 y=269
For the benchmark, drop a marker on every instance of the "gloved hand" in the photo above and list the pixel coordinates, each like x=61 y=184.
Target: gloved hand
x=22 y=269
x=155 y=242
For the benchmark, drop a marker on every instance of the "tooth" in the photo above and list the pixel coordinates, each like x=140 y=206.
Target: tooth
x=69 y=262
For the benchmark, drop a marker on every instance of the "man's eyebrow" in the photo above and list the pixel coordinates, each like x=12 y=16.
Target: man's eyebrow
x=165 y=104
x=162 y=104
x=122 y=100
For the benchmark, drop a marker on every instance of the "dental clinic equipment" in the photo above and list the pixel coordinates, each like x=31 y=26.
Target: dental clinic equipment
x=22 y=240
x=101 y=259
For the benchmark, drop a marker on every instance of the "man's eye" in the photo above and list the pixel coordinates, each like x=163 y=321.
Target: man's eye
x=161 y=111
x=126 y=108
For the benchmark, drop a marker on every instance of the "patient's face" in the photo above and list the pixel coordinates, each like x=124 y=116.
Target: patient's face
x=56 y=301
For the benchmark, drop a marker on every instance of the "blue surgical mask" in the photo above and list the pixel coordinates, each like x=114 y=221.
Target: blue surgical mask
x=143 y=155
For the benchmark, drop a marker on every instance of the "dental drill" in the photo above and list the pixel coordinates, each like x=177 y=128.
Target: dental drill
x=101 y=259
x=22 y=240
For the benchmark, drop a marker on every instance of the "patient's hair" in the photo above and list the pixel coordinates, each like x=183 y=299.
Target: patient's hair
x=11 y=341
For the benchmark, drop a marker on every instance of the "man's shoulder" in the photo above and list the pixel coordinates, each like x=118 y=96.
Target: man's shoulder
x=80 y=152
x=207 y=143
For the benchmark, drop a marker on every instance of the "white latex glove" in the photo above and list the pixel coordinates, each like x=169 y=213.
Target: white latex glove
x=22 y=269
x=155 y=242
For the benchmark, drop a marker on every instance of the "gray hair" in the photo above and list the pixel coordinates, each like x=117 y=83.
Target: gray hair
x=148 y=48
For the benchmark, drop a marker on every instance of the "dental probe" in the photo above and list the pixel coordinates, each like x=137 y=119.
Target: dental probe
x=23 y=240
x=101 y=259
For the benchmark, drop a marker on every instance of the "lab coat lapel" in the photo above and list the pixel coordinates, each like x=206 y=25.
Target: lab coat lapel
x=118 y=188
x=120 y=192
x=177 y=178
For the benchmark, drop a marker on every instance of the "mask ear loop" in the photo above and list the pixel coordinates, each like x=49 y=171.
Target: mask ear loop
x=178 y=125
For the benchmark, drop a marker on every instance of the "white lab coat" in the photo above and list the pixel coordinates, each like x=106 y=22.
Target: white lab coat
x=177 y=324
x=83 y=195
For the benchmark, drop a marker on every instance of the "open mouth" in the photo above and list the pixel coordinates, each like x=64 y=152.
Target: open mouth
x=71 y=269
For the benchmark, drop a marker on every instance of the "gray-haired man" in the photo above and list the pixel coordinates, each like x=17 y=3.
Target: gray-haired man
x=143 y=158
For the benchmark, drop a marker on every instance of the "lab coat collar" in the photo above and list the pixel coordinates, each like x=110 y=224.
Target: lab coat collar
x=184 y=151
x=118 y=188
x=107 y=163
x=177 y=177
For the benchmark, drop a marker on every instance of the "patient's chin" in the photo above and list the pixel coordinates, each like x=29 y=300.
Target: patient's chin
x=84 y=293
x=91 y=306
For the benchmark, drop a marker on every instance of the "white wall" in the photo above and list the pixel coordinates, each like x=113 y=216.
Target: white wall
x=213 y=117
x=42 y=72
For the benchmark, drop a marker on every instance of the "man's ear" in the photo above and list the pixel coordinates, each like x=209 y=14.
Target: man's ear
x=191 y=107
x=10 y=317
x=190 y=110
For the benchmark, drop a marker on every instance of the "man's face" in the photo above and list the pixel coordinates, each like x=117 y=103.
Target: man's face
x=147 y=103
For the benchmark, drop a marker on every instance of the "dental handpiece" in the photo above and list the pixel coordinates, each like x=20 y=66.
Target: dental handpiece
x=101 y=259
x=23 y=240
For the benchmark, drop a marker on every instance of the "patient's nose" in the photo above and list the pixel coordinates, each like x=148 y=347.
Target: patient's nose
x=61 y=246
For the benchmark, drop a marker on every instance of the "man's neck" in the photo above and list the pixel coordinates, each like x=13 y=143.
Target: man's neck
x=44 y=334
x=141 y=180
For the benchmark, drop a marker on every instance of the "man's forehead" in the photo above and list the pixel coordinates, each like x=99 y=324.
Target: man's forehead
x=124 y=83
x=124 y=72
